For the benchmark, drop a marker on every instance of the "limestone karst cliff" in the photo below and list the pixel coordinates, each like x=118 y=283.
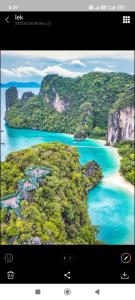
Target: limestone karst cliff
x=26 y=96
x=121 y=125
x=52 y=96
x=72 y=105
x=11 y=97
x=59 y=104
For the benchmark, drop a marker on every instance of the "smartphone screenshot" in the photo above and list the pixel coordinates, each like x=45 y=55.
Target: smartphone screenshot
x=67 y=208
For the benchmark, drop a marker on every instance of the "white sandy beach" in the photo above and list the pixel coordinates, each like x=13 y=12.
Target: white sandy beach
x=117 y=178
x=103 y=142
x=120 y=181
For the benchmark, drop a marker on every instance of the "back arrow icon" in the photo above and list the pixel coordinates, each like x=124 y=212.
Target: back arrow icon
x=97 y=292
x=7 y=19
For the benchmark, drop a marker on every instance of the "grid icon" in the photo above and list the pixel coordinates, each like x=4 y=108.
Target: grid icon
x=126 y=19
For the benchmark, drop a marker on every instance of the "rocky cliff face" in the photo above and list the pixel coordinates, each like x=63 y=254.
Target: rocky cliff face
x=121 y=125
x=46 y=97
x=11 y=97
x=59 y=104
x=26 y=96
x=51 y=92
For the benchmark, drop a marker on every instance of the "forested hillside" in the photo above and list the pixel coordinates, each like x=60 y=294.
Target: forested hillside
x=127 y=164
x=57 y=210
x=72 y=105
x=125 y=99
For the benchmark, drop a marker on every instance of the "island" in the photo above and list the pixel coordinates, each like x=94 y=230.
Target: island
x=44 y=196
x=96 y=105
x=45 y=187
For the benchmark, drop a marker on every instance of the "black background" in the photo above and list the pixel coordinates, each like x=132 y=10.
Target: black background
x=45 y=264
x=68 y=31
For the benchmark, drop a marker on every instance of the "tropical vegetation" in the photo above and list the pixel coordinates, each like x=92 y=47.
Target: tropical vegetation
x=57 y=211
x=86 y=103
x=127 y=163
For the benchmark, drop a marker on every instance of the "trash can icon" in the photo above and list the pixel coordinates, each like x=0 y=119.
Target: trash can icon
x=10 y=275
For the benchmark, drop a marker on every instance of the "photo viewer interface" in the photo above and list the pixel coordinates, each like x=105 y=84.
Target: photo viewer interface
x=67 y=217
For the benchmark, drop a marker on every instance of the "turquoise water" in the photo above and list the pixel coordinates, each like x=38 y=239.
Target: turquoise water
x=110 y=207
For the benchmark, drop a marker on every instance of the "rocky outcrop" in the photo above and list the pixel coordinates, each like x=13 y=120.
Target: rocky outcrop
x=79 y=136
x=51 y=92
x=44 y=94
x=59 y=104
x=90 y=168
x=121 y=125
x=93 y=172
x=11 y=97
x=26 y=96
x=46 y=98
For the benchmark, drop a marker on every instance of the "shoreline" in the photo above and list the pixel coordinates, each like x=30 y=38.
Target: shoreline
x=117 y=178
x=100 y=141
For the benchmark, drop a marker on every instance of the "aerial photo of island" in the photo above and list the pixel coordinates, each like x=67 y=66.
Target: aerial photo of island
x=67 y=148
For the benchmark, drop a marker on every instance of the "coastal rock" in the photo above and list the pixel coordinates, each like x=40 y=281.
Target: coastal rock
x=121 y=125
x=11 y=97
x=26 y=96
x=90 y=168
x=79 y=136
x=92 y=171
